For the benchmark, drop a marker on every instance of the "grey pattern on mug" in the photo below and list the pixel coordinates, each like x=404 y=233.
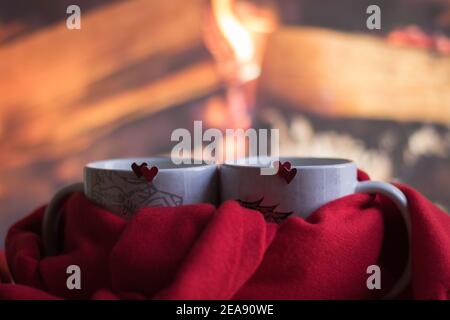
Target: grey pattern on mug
x=126 y=194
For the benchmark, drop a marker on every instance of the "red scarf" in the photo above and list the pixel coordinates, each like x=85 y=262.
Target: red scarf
x=203 y=252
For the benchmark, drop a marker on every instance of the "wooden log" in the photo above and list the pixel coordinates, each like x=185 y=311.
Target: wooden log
x=68 y=131
x=61 y=89
x=343 y=74
x=56 y=65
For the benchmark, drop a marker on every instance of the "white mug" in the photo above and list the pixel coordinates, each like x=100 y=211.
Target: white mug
x=302 y=186
x=115 y=186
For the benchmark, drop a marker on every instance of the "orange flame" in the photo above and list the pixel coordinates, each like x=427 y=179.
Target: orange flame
x=236 y=36
x=239 y=38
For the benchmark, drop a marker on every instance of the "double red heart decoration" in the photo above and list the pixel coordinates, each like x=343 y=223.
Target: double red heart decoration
x=143 y=170
x=137 y=168
x=285 y=171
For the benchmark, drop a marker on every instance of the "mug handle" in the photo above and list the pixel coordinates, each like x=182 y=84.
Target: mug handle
x=399 y=199
x=51 y=217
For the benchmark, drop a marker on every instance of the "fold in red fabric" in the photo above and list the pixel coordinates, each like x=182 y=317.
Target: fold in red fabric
x=230 y=252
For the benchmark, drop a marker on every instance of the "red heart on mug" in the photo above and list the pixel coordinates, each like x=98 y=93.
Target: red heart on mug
x=285 y=171
x=137 y=169
x=288 y=175
x=149 y=174
x=286 y=165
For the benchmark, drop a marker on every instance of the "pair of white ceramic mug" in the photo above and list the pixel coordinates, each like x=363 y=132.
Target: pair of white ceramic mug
x=309 y=184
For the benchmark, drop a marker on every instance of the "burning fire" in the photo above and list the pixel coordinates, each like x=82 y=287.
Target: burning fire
x=239 y=38
x=235 y=33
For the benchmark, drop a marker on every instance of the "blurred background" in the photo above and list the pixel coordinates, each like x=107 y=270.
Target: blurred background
x=139 y=69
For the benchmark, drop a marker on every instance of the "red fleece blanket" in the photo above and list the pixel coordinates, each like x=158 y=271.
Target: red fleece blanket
x=203 y=252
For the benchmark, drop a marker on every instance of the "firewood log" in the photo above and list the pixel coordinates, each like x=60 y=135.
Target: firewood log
x=60 y=89
x=343 y=74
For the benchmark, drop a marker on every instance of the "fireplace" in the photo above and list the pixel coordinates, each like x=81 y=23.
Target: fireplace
x=139 y=69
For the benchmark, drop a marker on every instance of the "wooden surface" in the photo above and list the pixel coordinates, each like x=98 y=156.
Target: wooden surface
x=353 y=75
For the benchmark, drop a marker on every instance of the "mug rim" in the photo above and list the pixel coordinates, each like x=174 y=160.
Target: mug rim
x=329 y=163
x=101 y=164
